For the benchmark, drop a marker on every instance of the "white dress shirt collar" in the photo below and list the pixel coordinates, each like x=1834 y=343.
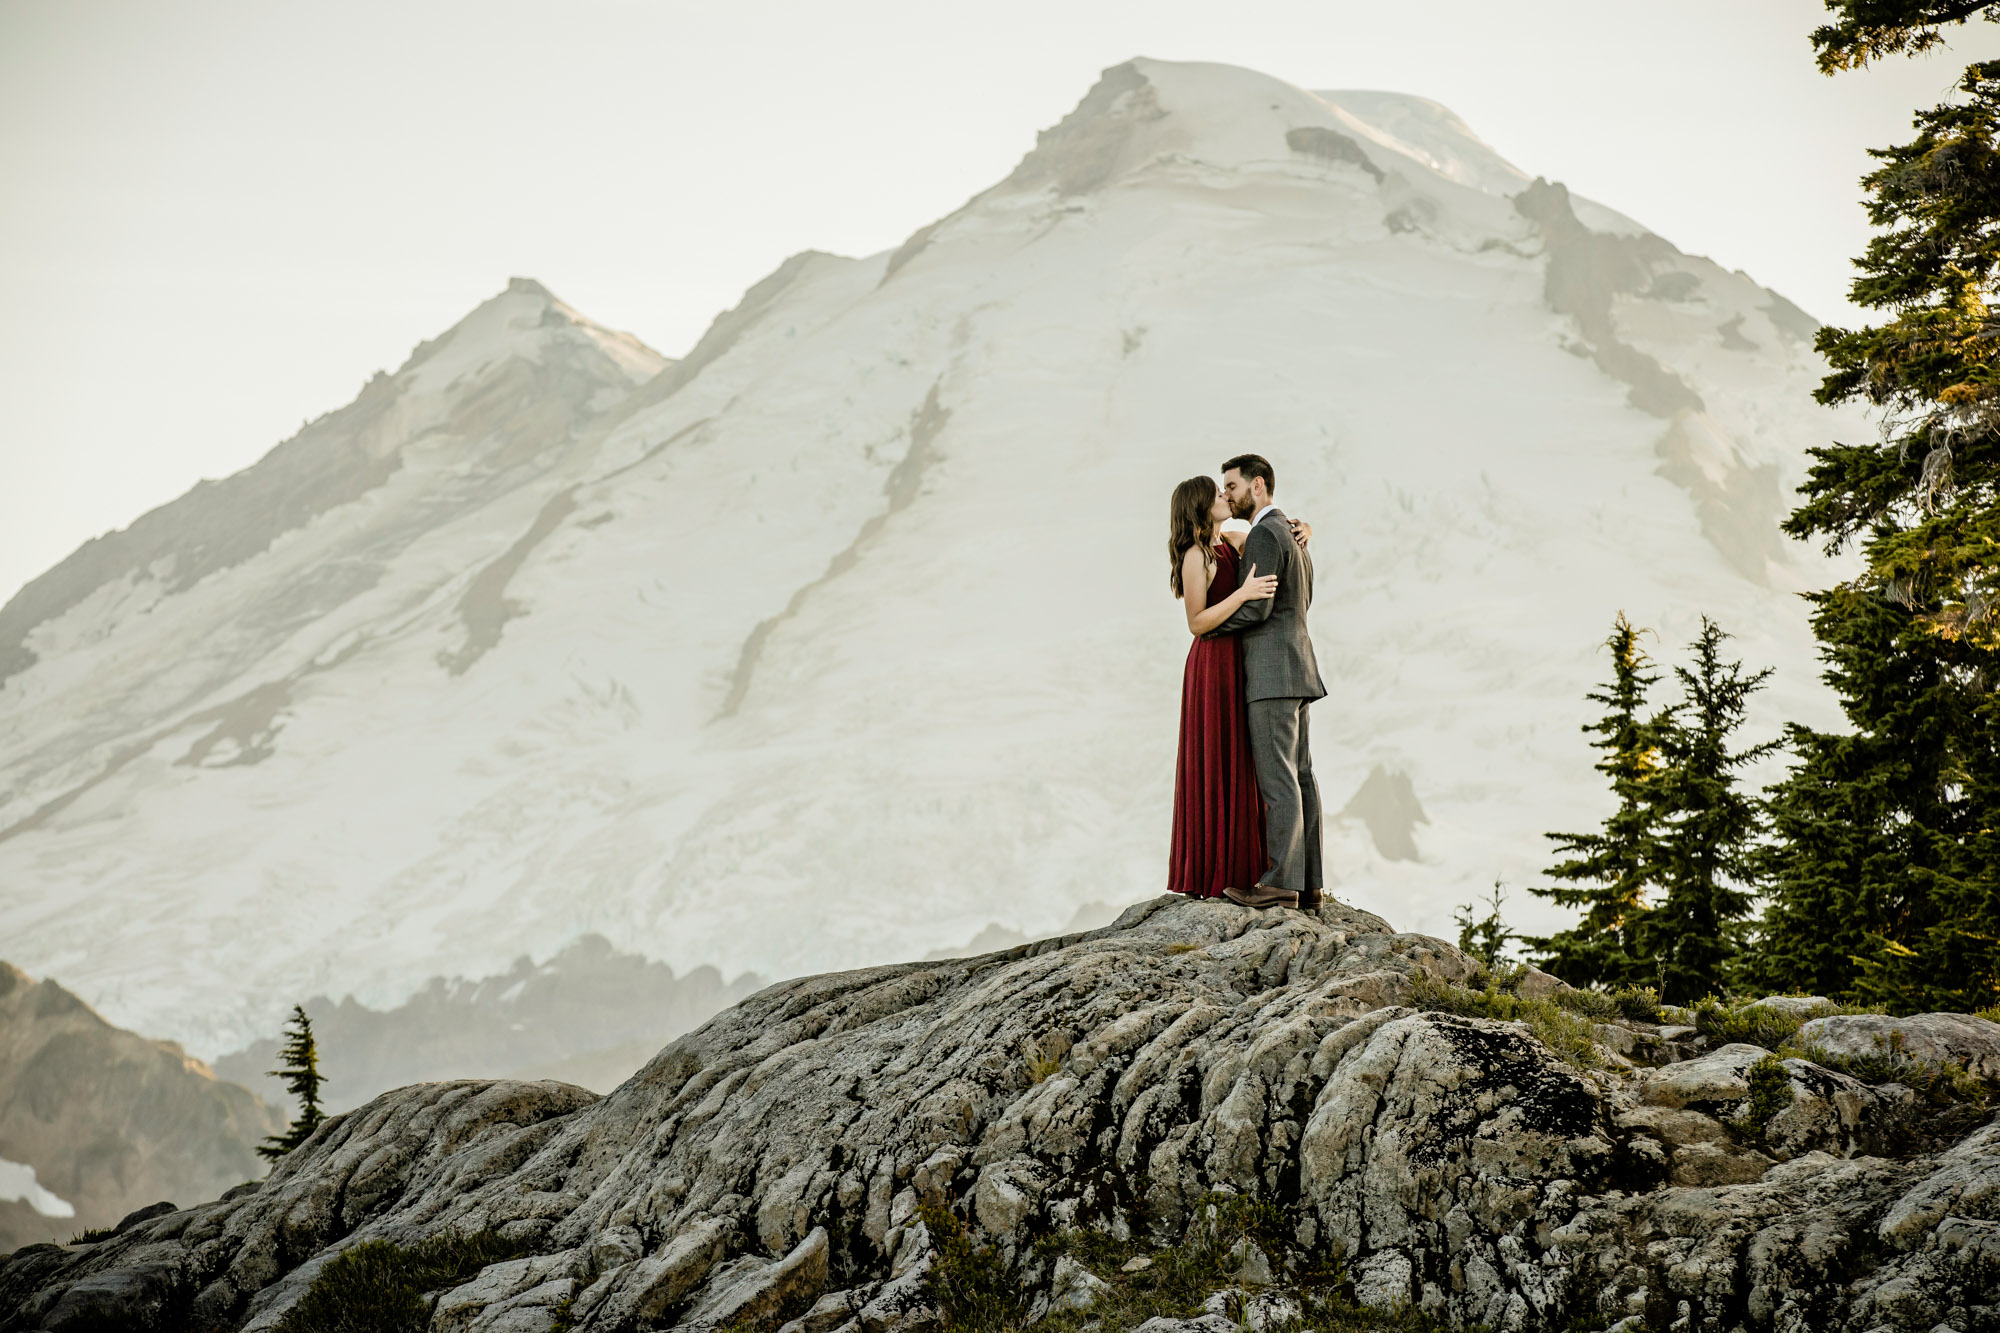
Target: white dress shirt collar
x=1260 y=514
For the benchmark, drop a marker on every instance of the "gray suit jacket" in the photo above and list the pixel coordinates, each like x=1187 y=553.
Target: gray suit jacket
x=1278 y=658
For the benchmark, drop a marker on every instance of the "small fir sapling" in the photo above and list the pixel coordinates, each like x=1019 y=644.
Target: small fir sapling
x=298 y=1066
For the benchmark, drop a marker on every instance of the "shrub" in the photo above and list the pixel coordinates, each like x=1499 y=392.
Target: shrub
x=1723 y=1023
x=379 y=1286
x=1044 y=1057
x=972 y=1287
x=1565 y=1034
x=1594 y=1004
x=1508 y=978
x=1770 y=1093
x=1640 y=1003
x=1757 y=1025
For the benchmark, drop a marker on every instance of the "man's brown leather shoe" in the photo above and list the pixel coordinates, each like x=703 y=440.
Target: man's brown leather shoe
x=1262 y=895
x=1309 y=900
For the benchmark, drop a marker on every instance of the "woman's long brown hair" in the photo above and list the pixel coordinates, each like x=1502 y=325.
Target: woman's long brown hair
x=1188 y=525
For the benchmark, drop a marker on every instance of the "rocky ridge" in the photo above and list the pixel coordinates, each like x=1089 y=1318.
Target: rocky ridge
x=589 y=1015
x=775 y=1164
x=110 y=1120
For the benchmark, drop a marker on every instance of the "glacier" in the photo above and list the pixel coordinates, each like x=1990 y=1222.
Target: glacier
x=847 y=635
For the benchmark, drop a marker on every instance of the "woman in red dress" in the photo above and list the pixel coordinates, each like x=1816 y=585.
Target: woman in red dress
x=1218 y=816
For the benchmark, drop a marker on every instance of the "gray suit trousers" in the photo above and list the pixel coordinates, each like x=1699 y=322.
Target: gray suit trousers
x=1283 y=756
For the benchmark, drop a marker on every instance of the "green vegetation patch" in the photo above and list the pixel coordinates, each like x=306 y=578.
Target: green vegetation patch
x=1043 y=1057
x=1562 y=1030
x=1640 y=1004
x=1941 y=1083
x=978 y=1292
x=1596 y=1005
x=1770 y=1092
x=379 y=1286
x=1724 y=1023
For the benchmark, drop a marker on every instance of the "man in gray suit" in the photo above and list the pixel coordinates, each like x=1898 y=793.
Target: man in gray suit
x=1282 y=679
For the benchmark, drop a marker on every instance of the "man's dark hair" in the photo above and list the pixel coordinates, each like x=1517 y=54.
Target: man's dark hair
x=1254 y=465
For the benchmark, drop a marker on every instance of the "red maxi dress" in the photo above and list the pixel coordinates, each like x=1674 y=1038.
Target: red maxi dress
x=1218 y=815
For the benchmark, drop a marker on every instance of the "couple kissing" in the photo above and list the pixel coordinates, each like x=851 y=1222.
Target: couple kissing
x=1246 y=804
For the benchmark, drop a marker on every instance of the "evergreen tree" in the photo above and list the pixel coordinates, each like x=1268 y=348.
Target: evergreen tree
x=1870 y=29
x=299 y=1067
x=1887 y=874
x=1704 y=854
x=1485 y=938
x=1607 y=873
x=1864 y=828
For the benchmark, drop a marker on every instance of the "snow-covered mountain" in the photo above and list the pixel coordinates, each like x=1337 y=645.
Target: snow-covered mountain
x=848 y=634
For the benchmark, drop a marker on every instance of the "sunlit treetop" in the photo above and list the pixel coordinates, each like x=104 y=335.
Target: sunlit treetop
x=1928 y=494
x=1866 y=30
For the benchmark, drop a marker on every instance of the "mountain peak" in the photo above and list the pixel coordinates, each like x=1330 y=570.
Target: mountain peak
x=528 y=320
x=493 y=617
x=1145 y=113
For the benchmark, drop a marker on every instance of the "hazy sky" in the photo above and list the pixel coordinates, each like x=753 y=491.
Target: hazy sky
x=218 y=219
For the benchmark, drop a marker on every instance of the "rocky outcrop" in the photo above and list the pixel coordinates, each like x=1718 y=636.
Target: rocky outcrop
x=110 y=1121
x=1961 y=1039
x=775 y=1167
x=590 y=1015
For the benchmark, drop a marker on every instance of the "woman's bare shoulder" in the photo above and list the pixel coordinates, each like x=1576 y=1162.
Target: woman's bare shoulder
x=1236 y=539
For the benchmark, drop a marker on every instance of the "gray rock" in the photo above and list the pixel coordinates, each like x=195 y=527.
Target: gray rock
x=465 y=1308
x=1794 y=1006
x=828 y=1313
x=1454 y=1161
x=1383 y=1280
x=1074 y=1287
x=1271 y=1309
x=763 y=1294
x=1535 y=984
x=1249 y=1264
x=900 y=1306
x=1961 y=1039
x=140 y=1298
x=1717 y=1078
x=530 y=1311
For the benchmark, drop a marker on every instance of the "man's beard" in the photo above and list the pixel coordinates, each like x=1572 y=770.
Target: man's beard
x=1244 y=507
